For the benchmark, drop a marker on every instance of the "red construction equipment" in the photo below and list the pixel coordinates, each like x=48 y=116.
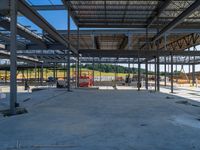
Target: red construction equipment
x=86 y=79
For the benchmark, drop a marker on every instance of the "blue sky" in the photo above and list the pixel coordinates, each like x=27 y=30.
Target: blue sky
x=58 y=19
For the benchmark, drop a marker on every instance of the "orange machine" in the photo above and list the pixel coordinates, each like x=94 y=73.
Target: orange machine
x=86 y=79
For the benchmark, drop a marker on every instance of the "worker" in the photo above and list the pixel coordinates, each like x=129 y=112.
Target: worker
x=26 y=86
x=127 y=81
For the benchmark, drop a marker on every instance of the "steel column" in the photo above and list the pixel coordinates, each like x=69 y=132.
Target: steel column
x=193 y=74
x=6 y=74
x=13 y=57
x=155 y=76
x=35 y=70
x=27 y=75
x=139 y=78
x=100 y=69
x=189 y=67
x=54 y=71
x=146 y=75
x=41 y=75
x=165 y=65
x=116 y=71
x=146 y=61
x=68 y=51
x=158 y=70
x=78 y=61
x=172 y=72
x=93 y=70
x=139 y=74
x=193 y=68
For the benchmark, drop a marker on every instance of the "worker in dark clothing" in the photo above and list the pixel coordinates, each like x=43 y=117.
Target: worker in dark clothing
x=26 y=86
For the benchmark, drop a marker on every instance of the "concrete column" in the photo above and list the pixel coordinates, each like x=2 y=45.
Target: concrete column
x=172 y=72
x=13 y=56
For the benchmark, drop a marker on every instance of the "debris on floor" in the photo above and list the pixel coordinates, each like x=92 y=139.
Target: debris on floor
x=169 y=97
x=187 y=103
x=19 y=111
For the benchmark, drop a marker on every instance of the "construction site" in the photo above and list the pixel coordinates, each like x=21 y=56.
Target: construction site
x=99 y=74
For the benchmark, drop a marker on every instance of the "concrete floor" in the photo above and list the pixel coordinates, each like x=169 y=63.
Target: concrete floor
x=102 y=120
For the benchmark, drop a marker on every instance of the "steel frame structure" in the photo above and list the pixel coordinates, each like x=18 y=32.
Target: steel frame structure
x=146 y=32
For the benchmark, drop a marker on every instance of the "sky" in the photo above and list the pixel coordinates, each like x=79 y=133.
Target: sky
x=58 y=19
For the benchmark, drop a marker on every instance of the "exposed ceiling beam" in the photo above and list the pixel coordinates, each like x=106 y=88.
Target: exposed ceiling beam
x=48 y=7
x=70 y=11
x=23 y=32
x=134 y=53
x=195 y=5
x=158 y=11
x=35 y=17
x=124 y=42
x=6 y=55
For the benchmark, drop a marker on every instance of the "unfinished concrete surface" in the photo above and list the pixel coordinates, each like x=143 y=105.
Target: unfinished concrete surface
x=100 y=120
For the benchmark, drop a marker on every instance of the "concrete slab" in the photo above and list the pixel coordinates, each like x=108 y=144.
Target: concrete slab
x=102 y=120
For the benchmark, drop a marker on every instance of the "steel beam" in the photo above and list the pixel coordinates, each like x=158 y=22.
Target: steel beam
x=178 y=19
x=158 y=11
x=70 y=11
x=24 y=32
x=35 y=17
